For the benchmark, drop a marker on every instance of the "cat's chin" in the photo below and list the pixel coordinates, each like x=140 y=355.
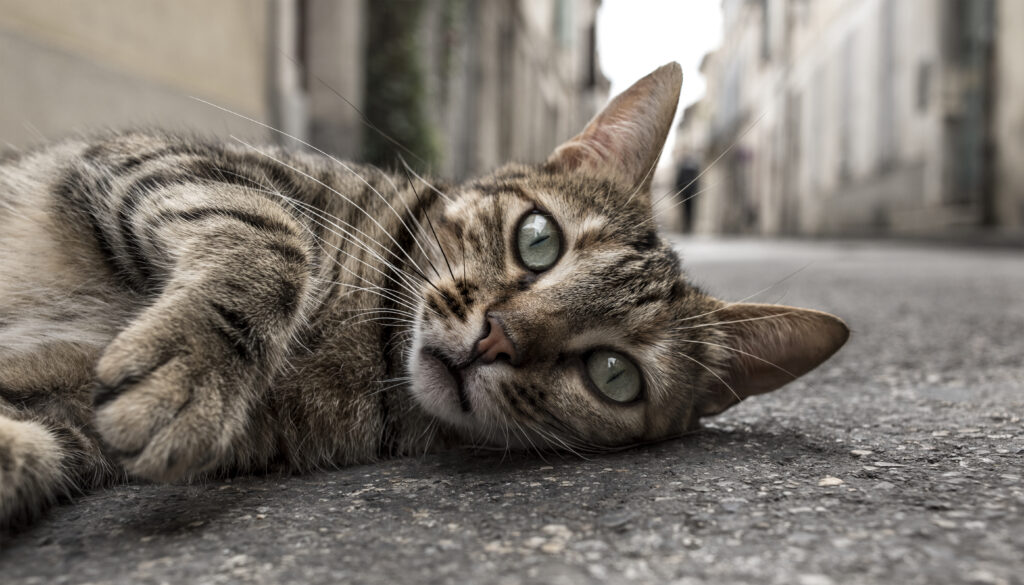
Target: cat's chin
x=440 y=387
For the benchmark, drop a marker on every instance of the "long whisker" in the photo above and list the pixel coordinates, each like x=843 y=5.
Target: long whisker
x=335 y=224
x=740 y=351
x=320 y=243
x=719 y=157
x=526 y=436
x=652 y=217
x=419 y=227
x=348 y=236
x=719 y=323
x=379 y=312
x=409 y=283
x=429 y=221
x=377 y=292
x=406 y=285
x=748 y=297
x=424 y=181
x=554 y=437
x=463 y=242
x=329 y=156
x=385 y=320
x=339 y=194
x=713 y=373
x=643 y=181
x=363 y=118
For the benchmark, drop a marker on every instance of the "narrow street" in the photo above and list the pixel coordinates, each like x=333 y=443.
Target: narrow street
x=898 y=461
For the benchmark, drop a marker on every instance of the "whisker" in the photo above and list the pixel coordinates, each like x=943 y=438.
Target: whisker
x=365 y=120
x=338 y=193
x=643 y=181
x=748 y=297
x=429 y=221
x=378 y=310
x=331 y=157
x=552 y=436
x=718 y=323
x=345 y=236
x=378 y=293
x=407 y=284
x=526 y=436
x=713 y=373
x=425 y=182
x=740 y=351
x=384 y=312
x=653 y=217
x=385 y=320
x=718 y=158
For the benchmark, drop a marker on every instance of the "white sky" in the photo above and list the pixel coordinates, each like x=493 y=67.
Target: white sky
x=634 y=37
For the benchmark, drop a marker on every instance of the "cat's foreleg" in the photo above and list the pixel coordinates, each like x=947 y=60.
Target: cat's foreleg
x=175 y=389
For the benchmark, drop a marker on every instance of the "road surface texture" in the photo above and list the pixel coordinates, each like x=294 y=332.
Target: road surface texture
x=898 y=461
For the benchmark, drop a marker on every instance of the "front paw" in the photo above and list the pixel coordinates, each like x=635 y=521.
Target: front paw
x=166 y=405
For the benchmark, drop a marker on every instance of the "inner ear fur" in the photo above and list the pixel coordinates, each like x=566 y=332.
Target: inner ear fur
x=624 y=141
x=774 y=345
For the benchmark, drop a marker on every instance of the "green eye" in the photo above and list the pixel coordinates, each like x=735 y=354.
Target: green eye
x=539 y=241
x=614 y=375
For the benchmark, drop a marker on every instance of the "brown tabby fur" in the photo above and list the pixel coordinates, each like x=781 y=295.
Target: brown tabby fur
x=172 y=307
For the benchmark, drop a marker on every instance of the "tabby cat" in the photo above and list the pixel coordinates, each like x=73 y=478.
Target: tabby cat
x=172 y=308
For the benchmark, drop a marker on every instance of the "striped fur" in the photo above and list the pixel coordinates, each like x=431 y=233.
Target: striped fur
x=172 y=307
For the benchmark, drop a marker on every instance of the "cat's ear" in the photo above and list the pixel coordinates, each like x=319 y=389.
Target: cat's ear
x=773 y=345
x=624 y=141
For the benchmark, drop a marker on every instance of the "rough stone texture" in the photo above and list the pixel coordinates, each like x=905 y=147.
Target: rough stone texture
x=899 y=461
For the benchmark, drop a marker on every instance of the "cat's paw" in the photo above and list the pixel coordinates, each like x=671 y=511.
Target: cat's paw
x=31 y=470
x=167 y=403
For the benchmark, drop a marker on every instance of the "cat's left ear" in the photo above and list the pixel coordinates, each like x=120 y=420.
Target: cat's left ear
x=624 y=141
x=773 y=345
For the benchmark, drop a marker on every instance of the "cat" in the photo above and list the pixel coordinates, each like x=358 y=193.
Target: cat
x=173 y=308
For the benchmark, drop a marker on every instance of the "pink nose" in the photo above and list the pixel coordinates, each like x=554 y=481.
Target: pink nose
x=496 y=343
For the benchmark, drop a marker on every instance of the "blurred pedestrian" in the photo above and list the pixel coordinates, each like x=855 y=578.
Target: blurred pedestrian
x=687 y=187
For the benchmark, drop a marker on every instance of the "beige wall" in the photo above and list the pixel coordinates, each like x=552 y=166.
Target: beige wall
x=513 y=88
x=74 y=66
x=1009 y=117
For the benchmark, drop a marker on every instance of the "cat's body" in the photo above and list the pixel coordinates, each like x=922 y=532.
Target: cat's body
x=71 y=280
x=172 y=307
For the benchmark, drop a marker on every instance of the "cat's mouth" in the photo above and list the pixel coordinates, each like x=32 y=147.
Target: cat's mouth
x=448 y=373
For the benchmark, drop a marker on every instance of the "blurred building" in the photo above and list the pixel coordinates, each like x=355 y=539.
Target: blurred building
x=509 y=80
x=494 y=81
x=862 y=117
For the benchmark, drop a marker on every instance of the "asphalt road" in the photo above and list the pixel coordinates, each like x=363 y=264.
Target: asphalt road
x=899 y=461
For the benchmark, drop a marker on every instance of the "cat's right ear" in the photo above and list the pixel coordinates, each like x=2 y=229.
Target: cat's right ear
x=624 y=141
x=768 y=346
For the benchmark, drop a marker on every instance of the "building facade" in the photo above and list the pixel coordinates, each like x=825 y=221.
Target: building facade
x=501 y=80
x=863 y=117
x=510 y=79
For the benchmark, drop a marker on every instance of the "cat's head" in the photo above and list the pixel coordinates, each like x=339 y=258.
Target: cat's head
x=561 y=318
